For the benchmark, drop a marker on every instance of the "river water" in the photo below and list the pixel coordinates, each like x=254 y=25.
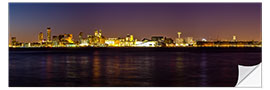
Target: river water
x=106 y=68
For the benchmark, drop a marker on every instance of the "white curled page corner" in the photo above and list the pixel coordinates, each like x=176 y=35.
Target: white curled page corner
x=249 y=76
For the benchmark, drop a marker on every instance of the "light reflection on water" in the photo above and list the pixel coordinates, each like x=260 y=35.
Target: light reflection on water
x=102 y=68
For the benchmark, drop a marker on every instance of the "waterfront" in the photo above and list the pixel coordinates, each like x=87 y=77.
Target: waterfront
x=186 y=67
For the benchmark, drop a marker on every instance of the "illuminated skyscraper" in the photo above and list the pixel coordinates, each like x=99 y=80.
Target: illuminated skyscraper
x=179 y=33
x=99 y=34
x=131 y=38
x=96 y=32
x=234 y=38
x=49 y=39
x=90 y=39
x=128 y=37
x=40 y=37
x=179 y=41
x=189 y=40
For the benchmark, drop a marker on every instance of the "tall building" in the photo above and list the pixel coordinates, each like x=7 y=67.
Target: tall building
x=55 y=40
x=234 y=38
x=189 y=40
x=179 y=41
x=179 y=33
x=80 y=37
x=128 y=37
x=99 y=34
x=90 y=39
x=131 y=38
x=40 y=37
x=97 y=39
x=61 y=39
x=96 y=33
x=13 y=41
x=49 y=39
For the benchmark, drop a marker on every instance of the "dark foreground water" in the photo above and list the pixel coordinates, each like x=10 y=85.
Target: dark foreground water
x=128 y=67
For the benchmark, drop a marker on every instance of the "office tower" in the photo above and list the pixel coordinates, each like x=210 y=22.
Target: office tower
x=96 y=32
x=189 y=40
x=179 y=41
x=55 y=40
x=90 y=39
x=179 y=33
x=131 y=38
x=80 y=37
x=49 y=39
x=102 y=40
x=234 y=38
x=40 y=37
x=127 y=37
x=99 y=34
x=61 y=39
x=13 y=41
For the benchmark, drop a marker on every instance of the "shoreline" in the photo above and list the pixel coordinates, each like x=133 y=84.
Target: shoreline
x=140 y=49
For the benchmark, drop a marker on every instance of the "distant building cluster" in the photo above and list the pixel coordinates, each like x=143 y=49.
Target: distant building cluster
x=98 y=40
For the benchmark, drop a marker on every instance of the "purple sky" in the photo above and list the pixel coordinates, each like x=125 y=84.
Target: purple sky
x=198 y=20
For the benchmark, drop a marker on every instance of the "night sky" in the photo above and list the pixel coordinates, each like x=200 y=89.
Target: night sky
x=143 y=20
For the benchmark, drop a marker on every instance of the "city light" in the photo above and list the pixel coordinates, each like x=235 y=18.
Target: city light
x=98 y=40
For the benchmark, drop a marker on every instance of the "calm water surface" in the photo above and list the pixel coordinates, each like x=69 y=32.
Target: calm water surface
x=135 y=68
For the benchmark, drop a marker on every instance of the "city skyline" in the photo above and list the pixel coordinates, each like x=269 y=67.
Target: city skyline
x=143 y=20
x=99 y=40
